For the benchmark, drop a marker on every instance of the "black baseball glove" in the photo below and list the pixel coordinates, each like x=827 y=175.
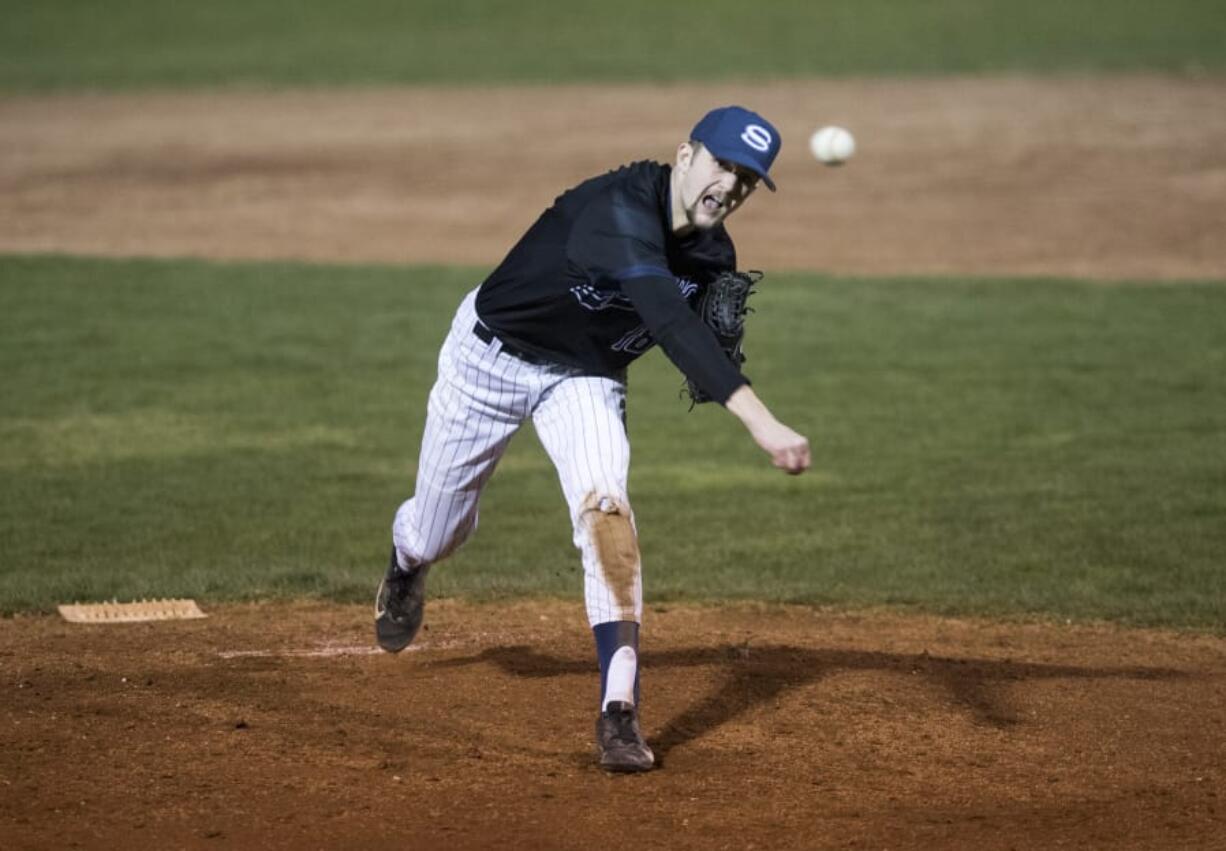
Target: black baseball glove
x=723 y=308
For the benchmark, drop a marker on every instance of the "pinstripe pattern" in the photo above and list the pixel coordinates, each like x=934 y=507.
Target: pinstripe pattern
x=479 y=401
x=580 y=426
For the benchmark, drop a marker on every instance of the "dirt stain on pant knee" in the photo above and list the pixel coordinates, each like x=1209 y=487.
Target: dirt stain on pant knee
x=616 y=544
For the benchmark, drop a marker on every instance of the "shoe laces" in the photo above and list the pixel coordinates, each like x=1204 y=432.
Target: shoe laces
x=623 y=727
x=399 y=585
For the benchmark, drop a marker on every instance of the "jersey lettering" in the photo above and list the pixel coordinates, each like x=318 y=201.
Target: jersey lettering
x=593 y=299
x=635 y=342
x=640 y=340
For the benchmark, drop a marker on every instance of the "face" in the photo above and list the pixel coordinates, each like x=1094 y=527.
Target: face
x=707 y=190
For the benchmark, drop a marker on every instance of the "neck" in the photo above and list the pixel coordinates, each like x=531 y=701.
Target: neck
x=679 y=221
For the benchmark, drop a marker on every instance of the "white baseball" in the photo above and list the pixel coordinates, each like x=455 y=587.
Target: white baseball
x=832 y=145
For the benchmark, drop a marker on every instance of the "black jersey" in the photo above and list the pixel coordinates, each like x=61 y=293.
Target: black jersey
x=600 y=278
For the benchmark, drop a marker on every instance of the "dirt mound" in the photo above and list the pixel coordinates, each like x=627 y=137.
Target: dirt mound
x=282 y=727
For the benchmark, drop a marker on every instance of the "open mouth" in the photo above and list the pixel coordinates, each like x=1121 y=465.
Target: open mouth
x=712 y=204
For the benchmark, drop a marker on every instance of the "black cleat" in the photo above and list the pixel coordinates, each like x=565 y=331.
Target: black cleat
x=399 y=606
x=619 y=742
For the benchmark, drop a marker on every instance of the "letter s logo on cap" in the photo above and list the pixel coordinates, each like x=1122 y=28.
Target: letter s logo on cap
x=757 y=137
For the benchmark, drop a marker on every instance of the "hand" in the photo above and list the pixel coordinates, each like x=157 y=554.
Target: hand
x=789 y=450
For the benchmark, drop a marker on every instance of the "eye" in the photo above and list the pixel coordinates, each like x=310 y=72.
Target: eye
x=747 y=179
x=742 y=174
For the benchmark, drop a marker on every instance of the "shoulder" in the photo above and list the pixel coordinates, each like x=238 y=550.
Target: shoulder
x=629 y=199
x=643 y=178
x=641 y=184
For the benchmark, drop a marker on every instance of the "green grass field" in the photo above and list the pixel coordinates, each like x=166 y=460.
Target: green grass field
x=993 y=447
x=73 y=44
x=1038 y=447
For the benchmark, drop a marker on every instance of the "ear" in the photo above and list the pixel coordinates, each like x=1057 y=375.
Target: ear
x=685 y=156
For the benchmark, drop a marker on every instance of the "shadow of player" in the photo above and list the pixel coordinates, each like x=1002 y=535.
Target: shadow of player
x=756 y=675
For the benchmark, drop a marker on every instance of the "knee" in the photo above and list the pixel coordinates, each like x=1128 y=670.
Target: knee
x=607 y=520
x=606 y=509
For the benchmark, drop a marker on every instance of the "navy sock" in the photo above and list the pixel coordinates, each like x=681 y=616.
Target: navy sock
x=609 y=637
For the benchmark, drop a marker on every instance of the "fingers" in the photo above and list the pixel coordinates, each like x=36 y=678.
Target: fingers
x=793 y=460
x=793 y=466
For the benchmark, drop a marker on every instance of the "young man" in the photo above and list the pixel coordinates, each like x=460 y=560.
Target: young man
x=612 y=268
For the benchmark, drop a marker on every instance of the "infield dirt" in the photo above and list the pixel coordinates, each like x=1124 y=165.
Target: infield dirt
x=1121 y=177
x=280 y=726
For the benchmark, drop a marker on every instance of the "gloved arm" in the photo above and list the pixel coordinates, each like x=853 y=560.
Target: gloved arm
x=685 y=339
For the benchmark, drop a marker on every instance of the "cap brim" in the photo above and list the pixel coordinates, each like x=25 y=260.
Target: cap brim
x=736 y=157
x=765 y=178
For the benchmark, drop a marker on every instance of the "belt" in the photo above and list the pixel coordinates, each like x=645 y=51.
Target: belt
x=485 y=334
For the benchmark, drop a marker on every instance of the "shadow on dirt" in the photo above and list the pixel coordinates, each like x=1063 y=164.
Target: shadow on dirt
x=755 y=675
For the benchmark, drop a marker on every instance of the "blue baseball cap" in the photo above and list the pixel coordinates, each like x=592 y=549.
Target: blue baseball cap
x=741 y=136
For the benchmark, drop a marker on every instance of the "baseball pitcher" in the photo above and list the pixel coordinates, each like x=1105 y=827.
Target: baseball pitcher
x=622 y=262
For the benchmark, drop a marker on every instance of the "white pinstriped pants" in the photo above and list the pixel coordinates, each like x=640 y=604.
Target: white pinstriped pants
x=480 y=399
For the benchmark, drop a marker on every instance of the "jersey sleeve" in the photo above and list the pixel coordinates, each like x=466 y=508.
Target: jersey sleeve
x=685 y=338
x=620 y=247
